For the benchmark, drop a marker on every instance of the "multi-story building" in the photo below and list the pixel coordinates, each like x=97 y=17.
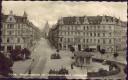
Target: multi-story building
x=53 y=36
x=97 y=32
x=124 y=36
x=17 y=32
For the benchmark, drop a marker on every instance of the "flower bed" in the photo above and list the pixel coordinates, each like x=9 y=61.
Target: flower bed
x=104 y=72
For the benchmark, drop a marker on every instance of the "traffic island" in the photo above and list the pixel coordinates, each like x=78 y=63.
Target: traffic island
x=102 y=72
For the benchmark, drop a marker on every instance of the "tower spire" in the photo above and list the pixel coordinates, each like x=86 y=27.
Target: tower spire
x=11 y=12
x=25 y=14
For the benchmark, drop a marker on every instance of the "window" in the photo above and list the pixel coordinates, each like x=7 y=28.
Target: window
x=18 y=40
x=98 y=41
x=94 y=27
x=84 y=33
x=103 y=34
x=90 y=34
x=8 y=26
x=68 y=27
x=103 y=41
x=94 y=40
x=110 y=41
x=8 y=40
x=83 y=40
x=98 y=27
x=94 y=34
x=10 y=19
x=87 y=27
x=90 y=40
x=9 y=48
x=84 y=27
x=11 y=26
x=110 y=34
x=18 y=26
x=87 y=40
x=87 y=34
x=98 y=34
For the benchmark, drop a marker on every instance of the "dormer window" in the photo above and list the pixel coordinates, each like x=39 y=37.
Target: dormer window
x=10 y=19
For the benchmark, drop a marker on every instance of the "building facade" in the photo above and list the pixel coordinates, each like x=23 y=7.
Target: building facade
x=98 y=32
x=17 y=32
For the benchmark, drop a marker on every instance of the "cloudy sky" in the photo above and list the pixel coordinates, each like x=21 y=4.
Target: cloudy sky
x=41 y=11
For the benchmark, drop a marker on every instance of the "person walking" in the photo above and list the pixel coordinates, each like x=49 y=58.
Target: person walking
x=29 y=71
x=72 y=66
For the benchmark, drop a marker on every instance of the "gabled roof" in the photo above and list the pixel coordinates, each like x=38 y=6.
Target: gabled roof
x=19 y=19
x=90 y=19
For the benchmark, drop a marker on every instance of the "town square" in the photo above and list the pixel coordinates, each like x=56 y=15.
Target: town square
x=74 y=40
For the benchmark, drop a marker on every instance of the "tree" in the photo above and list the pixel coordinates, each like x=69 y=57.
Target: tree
x=115 y=55
x=72 y=49
x=15 y=54
x=26 y=52
x=5 y=64
x=102 y=52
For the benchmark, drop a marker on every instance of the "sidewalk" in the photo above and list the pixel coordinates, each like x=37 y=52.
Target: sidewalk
x=65 y=62
x=20 y=67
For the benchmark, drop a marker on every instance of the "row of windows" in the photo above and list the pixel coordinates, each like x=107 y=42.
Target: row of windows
x=13 y=32
x=91 y=34
x=104 y=41
x=87 y=27
x=12 y=26
x=2 y=48
x=11 y=40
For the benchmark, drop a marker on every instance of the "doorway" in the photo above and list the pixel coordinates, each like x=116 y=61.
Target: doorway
x=9 y=48
x=79 y=47
x=98 y=47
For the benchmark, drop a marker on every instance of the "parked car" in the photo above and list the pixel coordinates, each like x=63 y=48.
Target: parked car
x=55 y=56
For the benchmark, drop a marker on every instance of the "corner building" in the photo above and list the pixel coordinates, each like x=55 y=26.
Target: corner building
x=98 y=32
x=17 y=32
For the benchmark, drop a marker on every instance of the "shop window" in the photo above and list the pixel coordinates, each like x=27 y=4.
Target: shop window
x=18 y=47
x=9 y=48
x=2 y=48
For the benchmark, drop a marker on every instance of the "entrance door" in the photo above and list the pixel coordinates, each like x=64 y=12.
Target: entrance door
x=9 y=48
x=98 y=47
x=79 y=47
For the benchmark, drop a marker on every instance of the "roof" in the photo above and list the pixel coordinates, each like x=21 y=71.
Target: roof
x=90 y=19
x=83 y=54
x=19 y=19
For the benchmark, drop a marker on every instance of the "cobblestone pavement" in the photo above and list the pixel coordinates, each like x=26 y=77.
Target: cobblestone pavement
x=42 y=62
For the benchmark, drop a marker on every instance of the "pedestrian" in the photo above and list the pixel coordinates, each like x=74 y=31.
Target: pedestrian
x=71 y=66
x=33 y=60
x=81 y=66
x=29 y=71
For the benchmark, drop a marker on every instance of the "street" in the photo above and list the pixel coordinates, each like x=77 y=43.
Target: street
x=41 y=62
x=40 y=55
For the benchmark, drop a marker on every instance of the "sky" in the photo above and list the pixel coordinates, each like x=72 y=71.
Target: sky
x=39 y=12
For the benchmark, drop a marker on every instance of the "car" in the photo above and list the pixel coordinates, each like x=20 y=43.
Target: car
x=55 y=56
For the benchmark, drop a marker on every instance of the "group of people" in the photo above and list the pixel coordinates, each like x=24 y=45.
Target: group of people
x=61 y=71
